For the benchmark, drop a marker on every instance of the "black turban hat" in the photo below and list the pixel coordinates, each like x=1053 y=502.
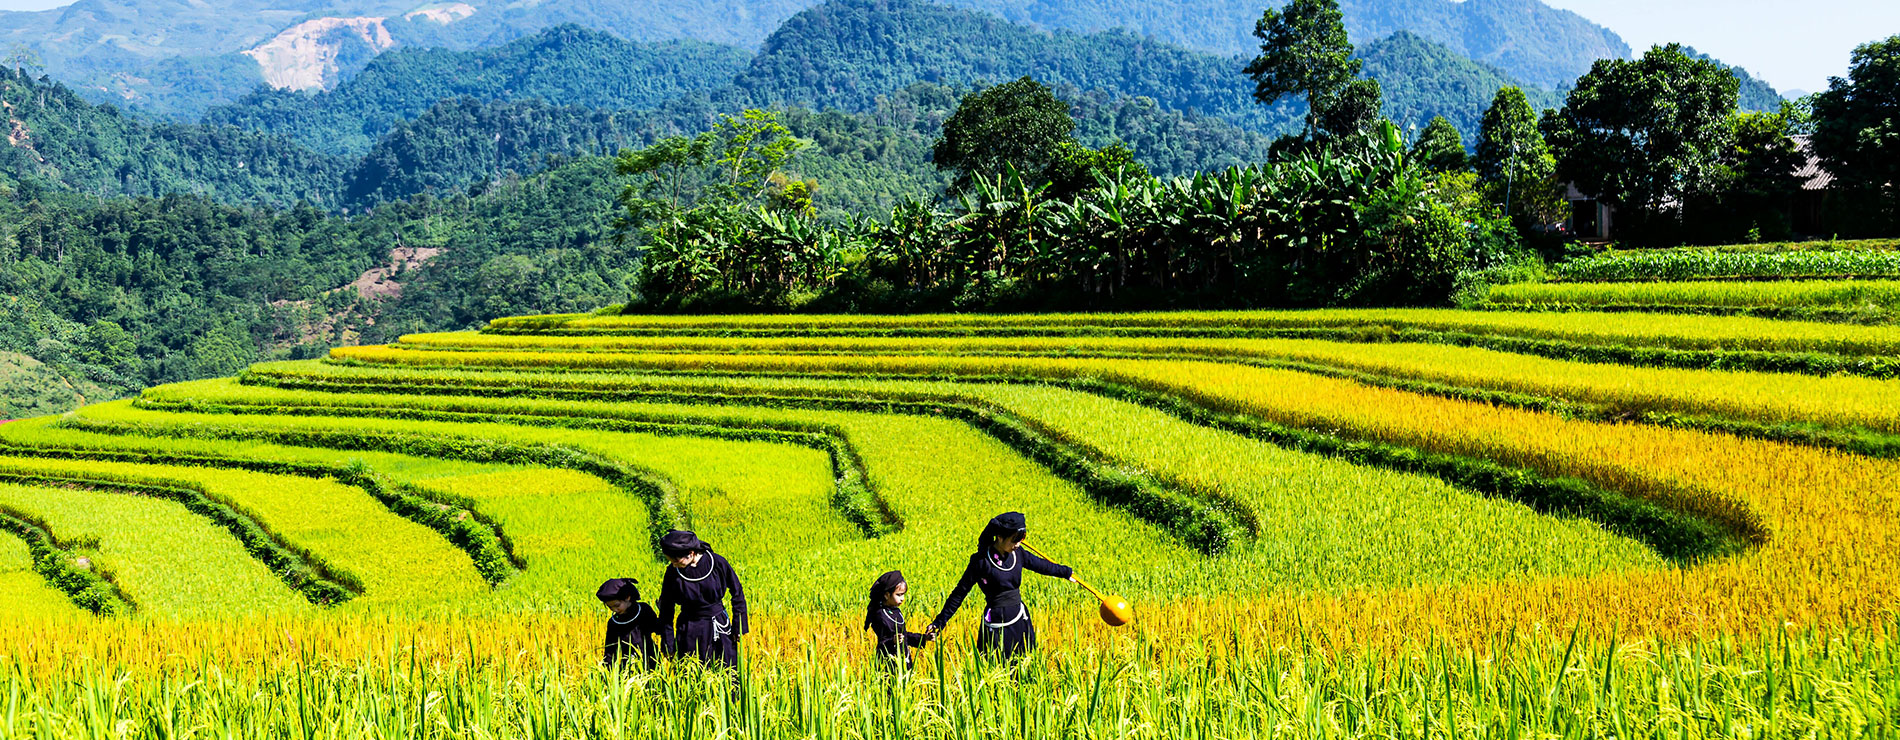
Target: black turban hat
x=677 y=543
x=1004 y=525
x=619 y=588
x=884 y=585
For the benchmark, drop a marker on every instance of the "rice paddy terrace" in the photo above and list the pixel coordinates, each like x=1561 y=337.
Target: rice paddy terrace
x=1335 y=522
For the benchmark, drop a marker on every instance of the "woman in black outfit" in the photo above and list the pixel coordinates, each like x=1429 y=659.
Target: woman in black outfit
x=997 y=566
x=696 y=584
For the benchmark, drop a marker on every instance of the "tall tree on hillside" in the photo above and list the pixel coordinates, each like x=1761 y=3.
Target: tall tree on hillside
x=1440 y=148
x=1020 y=123
x=1857 y=126
x=1515 y=164
x=1304 y=50
x=23 y=59
x=1355 y=108
x=1751 y=195
x=733 y=164
x=1644 y=134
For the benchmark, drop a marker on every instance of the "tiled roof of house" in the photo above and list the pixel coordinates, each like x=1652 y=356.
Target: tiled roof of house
x=1812 y=175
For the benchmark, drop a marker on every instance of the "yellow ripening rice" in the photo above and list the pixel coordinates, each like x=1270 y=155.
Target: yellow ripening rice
x=1840 y=295
x=1837 y=401
x=1829 y=520
x=1582 y=327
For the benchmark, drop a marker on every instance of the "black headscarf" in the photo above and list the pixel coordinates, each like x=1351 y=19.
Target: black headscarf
x=677 y=543
x=619 y=588
x=883 y=586
x=1007 y=524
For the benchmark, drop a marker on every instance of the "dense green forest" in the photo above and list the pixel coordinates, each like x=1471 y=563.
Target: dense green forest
x=57 y=138
x=845 y=55
x=440 y=120
x=177 y=58
x=110 y=296
x=561 y=93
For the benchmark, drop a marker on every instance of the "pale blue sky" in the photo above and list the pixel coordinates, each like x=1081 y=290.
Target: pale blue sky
x=1789 y=44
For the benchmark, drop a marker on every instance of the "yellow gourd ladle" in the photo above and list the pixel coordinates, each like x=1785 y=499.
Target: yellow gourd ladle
x=1115 y=609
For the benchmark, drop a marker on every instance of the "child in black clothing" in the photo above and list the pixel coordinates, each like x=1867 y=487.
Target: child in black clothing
x=884 y=616
x=632 y=627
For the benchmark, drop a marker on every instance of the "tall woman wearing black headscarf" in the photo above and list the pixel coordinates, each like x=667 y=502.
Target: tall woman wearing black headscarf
x=997 y=566
x=696 y=584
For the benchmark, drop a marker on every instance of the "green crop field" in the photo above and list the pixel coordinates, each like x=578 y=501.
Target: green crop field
x=1867 y=259
x=1343 y=523
x=1844 y=282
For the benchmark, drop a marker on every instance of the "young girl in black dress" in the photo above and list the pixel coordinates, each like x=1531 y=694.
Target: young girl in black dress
x=633 y=626
x=696 y=584
x=884 y=617
x=997 y=566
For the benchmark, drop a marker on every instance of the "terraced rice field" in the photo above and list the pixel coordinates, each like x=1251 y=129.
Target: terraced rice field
x=1336 y=523
x=1849 y=282
x=1836 y=295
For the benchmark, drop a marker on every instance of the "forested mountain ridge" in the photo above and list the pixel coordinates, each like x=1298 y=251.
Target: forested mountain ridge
x=565 y=65
x=180 y=56
x=846 y=55
x=57 y=139
x=861 y=161
x=1530 y=41
x=439 y=120
x=1421 y=79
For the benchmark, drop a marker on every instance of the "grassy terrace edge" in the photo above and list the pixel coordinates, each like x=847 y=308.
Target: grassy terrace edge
x=1859 y=440
x=1209 y=526
x=1674 y=534
x=1868 y=353
x=93 y=590
x=453 y=518
x=304 y=573
x=853 y=495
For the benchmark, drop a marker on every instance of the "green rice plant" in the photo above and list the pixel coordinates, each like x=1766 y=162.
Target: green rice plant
x=1672 y=534
x=173 y=564
x=1206 y=521
x=22 y=587
x=1746 y=486
x=755 y=503
x=1864 y=260
x=41 y=580
x=724 y=487
x=298 y=568
x=1837 y=295
x=1311 y=506
x=337 y=528
x=467 y=530
x=565 y=528
x=1551 y=684
x=572 y=531
x=1658 y=340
